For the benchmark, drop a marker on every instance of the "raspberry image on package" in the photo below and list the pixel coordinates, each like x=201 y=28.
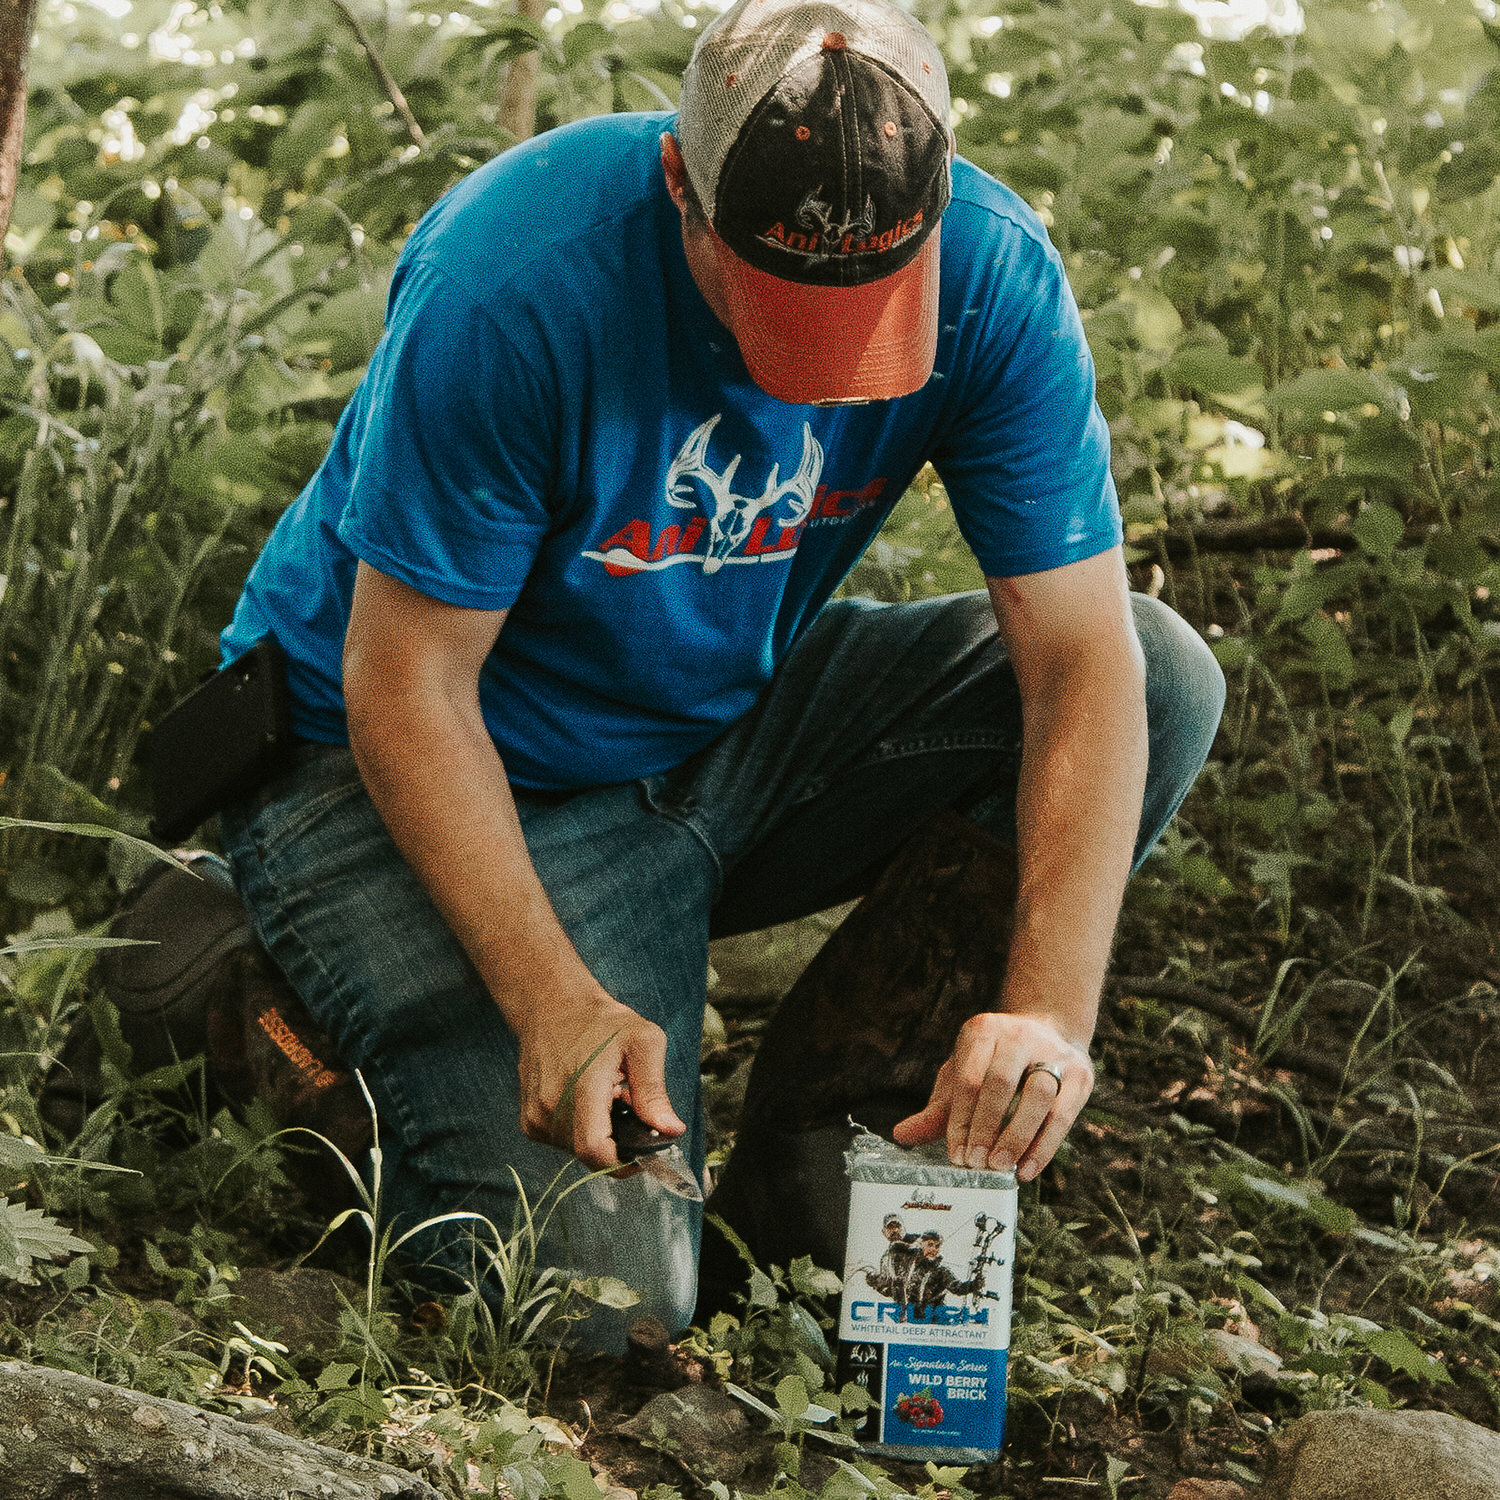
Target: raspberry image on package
x=920 y=1409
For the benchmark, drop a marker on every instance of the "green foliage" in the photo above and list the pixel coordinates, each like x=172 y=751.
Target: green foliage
x=27 y=1235
x=1286 y=250
x=779 y=1334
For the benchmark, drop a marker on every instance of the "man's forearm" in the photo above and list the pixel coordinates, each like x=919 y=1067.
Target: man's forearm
x=438 y=782
x=1020 y=1074
x=1078 y=809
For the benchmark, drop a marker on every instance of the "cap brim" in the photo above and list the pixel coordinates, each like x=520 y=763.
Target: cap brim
x=802 y=344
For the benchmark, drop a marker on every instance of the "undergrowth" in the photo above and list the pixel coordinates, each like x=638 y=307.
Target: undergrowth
x=1283 y=1194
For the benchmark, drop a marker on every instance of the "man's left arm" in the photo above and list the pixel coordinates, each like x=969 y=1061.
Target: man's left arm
x=1071 y=639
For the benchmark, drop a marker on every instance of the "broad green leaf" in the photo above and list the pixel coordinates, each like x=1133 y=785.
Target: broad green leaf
x=346 y=328
x=1330 y=653
x=1396 y=1349
x=573 y=1478
x=35 y=1236
x=1317 y=391
x=231 y=465
x=1400 y=724
x=1158 y=325
x=1328 y=1215
x=762 y=1289
x=336 y=1377
x=811 y=1280
x=1209 y=369
x=1383 y=448
x=1455 y=555
x=19 y=1154
x=1378 y=528
x=1477 y=289
x=1231 y=651
x=1307 y=592
x=1199 y=873
x=136 y=293
x=1467 y=174
x=791 y=1396
x=810 y=1336
x=607 y=1291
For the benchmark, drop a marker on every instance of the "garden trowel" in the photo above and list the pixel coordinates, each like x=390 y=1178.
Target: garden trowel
x=638 y=1145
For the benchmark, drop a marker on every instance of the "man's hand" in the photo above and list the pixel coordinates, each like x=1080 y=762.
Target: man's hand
x=982 y=1082
x=575 y=1061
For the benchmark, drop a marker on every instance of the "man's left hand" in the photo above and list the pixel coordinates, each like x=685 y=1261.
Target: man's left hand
x=976 y=1087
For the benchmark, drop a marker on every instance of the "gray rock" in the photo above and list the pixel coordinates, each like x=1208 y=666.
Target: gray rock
x=1384 y=1455
x=702 y=1428
x=765 y=965
x=299 y=1308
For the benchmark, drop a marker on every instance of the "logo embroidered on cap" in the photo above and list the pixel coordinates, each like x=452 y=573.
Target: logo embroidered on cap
x=825 y=239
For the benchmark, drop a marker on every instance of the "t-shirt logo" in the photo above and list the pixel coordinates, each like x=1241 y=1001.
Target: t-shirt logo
x=692 y=482
x=733 y=528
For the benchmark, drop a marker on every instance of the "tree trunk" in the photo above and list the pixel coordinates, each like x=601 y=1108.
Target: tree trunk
x=863 y=1032
x=65 y=1435
x=518 y=95
x=16 y=18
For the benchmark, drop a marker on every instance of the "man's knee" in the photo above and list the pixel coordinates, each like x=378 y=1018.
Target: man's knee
x=1184 y=700
x=1184 y=683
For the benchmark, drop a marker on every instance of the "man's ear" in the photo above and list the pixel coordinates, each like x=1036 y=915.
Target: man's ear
x=674 y=169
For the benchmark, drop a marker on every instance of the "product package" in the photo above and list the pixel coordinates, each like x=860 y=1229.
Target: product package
x=925 y=1320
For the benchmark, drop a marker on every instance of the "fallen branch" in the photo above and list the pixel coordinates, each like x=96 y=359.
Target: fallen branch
x=1239 y=1019
x=382 y=73
x=1288 y=533
x=1258 y=534
x=65 y=1434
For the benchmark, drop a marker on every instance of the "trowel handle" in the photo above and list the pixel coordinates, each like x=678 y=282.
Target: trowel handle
x=633 y=1136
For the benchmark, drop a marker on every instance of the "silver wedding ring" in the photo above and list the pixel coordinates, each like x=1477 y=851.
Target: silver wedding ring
x=1051 y=1069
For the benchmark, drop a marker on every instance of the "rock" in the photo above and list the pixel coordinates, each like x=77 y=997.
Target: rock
x=299 y=1308
x=1234 y=1353
x=702 y=1428
x=1207 y=1489
x=765 y=965
x=65 y=1434
x=1384 y=1455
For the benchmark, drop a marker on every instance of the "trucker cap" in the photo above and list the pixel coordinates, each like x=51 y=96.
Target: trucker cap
x=815 y=135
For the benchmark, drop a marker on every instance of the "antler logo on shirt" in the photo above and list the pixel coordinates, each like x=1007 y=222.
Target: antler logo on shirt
x=730 y=516
x=733 y=528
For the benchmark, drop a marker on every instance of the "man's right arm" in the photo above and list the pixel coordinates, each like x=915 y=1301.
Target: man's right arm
x=411 y=691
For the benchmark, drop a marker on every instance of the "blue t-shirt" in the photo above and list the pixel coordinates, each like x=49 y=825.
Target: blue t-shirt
x=556 y=424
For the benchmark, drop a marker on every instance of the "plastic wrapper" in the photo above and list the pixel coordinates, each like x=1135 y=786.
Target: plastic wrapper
x=924 y=1324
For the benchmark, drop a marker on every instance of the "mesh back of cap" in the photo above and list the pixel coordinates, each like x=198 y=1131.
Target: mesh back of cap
x=746 y=52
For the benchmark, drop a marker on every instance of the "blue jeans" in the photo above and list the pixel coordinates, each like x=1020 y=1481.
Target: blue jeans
x=881 y=716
